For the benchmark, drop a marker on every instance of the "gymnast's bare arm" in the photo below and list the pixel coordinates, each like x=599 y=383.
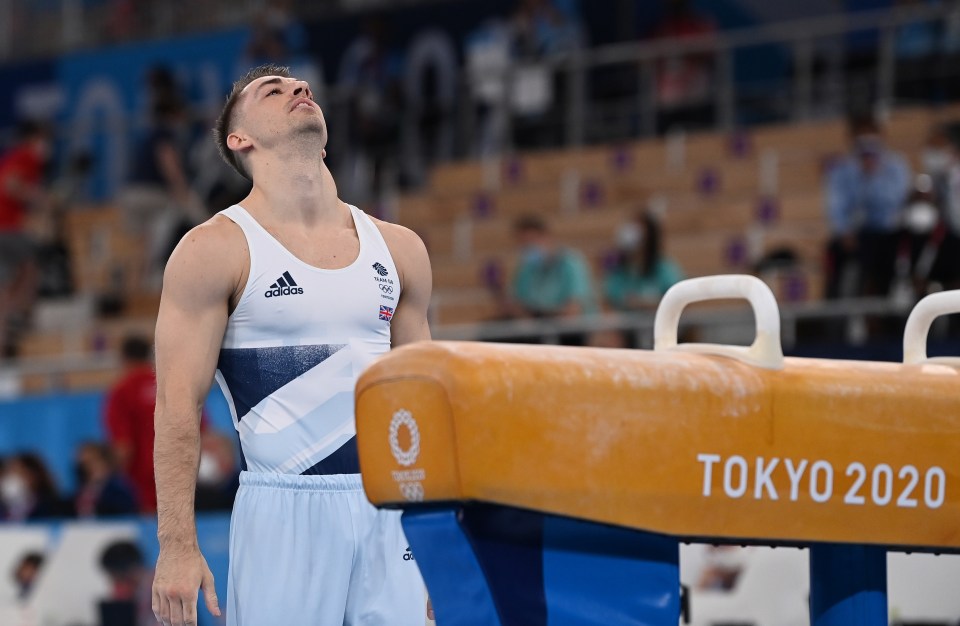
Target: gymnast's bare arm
x=204 y=275
x=409 y=322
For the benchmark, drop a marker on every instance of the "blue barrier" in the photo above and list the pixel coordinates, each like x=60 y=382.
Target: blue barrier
x=55 y=425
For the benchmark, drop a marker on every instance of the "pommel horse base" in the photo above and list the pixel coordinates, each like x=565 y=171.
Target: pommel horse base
x=550 y=486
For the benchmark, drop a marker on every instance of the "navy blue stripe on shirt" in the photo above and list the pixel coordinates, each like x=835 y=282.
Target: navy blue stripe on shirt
x=344 y=460
x=252 y=374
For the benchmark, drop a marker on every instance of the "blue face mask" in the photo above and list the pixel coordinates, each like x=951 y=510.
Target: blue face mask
x=532 y=254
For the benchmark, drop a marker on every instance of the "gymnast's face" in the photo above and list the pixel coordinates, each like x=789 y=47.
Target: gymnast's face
x=274 y=110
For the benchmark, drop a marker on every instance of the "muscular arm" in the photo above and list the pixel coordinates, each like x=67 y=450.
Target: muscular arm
x=200 y=279
x=416 y=278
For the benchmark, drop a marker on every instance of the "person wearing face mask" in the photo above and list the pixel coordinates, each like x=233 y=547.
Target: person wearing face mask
x=929 y=252
x=27 y=489
x=101 y=491
x=550 y=280
x=864 y=193
x=641 y=274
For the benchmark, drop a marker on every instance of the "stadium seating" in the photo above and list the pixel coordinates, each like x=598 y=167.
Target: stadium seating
x=726 y=200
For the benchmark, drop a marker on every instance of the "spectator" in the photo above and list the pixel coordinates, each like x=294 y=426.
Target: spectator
x=938 y=158
x=217 y=475
x=27 y=489
x=25 y=574
x=540 y=30
x=101 y=491
x=130 y=405
x=21 y=173
x=865 y=193
x=684 y=84
x=158 y=202
x=641 y=274
x=929 y=252
x=551 y=280
x=129 y=602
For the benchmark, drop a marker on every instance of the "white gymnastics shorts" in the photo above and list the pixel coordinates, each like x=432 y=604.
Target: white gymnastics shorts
x=313 y=551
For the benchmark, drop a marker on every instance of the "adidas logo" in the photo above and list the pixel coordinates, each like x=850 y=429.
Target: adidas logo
x=285 y=286
x=380 y=269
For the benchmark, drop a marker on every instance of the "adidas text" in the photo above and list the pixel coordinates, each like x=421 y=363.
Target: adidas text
x=283 y=291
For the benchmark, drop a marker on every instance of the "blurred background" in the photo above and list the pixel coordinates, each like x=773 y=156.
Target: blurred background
x=565 y=162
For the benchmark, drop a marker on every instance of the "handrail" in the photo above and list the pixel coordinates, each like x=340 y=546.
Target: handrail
x=643 y=321
x=640 y=324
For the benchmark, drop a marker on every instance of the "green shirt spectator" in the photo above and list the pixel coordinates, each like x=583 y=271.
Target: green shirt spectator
x=625 y=287
x=550 y=280
x=546 y=284
x=641 y=274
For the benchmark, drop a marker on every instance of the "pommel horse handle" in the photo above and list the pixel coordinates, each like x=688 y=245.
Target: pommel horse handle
x=918 y=326
x=765 y=351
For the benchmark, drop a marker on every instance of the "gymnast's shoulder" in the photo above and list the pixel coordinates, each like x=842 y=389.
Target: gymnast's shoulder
x=215 y=249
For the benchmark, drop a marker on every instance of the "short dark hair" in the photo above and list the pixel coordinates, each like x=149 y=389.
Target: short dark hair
x=530 y=223
x=224 y=123
x=29 y=129
x=102 y=450
x=135 y=348
x=863 y=123
x=121 y=557
x=31 y=558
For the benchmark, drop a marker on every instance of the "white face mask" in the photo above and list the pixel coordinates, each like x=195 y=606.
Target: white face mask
x=13 y=491
x=936 y=161
x=208 y=472
x=920 y=218
x=629 y=236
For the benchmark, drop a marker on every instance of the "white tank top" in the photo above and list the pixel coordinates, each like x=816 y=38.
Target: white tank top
x=295 y=345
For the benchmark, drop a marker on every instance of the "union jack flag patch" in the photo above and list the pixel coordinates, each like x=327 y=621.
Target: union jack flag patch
x=386 y=313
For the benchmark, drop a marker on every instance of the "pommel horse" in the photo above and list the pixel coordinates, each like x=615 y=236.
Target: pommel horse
x=549 y=485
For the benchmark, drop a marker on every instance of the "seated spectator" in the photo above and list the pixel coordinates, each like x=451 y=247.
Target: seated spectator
x=929 y=248
x=25 y=574
x=130 y=598
x=865 y=193
x=938 y=158
x=551 y=280
x=101 y=491
x=21 y=173
x=641 y=274
x=217 y=475
x=27 y=489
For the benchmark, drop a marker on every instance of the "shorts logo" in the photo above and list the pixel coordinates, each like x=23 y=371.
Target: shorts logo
x=380 y=269
x=409 y=456
x=386 y=313
x=408 y=555
x=386 y=288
